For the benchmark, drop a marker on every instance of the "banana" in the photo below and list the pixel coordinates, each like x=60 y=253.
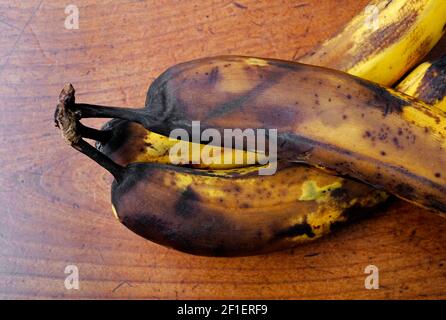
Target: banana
x=130 y=142
x=231 y=212
x=402 y=32
x=428 y=83
x=324 y=118
x=384 y=41
x=224 y=215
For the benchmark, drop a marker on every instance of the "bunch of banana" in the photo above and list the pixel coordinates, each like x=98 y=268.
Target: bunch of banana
x=384 y=41
x=194 y=210
x=323 y=117
x=311 y=203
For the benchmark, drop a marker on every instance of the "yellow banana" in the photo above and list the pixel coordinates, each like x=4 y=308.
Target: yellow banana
x=130 y=142
x=384 y=41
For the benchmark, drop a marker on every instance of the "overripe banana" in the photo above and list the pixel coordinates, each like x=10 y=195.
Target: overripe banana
x=305 y=190
x=300 y=194
x=129 y=142
x=311 y=193
x=323 y=117
x=384 y=41
x=381 y=43
x=428 y=83
x=126 y=142
x=226 y=212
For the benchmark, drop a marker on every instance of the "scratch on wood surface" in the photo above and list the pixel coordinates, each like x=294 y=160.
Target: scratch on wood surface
x=300 y=5
x=314 y=254
x=121 y=284
x=240 y=6
x=2 y=67
x=9 y=24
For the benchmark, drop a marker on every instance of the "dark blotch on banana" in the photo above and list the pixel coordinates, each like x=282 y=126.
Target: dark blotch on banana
x=428 y=83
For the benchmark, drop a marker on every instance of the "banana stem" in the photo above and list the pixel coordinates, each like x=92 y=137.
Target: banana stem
x=108 y=164
x=103 y=136
x=98 y=111
x=68 y=121
x=84 y=110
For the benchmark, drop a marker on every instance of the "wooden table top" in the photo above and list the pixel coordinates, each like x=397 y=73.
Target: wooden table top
x=55 y=203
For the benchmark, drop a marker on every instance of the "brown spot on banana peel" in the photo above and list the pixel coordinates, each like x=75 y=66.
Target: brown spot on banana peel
x=183 y=206
x=382 y=38
x=339 y=193
x=213 y=76
x=296 y=230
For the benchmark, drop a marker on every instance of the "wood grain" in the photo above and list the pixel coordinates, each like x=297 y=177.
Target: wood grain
x=54 y=202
